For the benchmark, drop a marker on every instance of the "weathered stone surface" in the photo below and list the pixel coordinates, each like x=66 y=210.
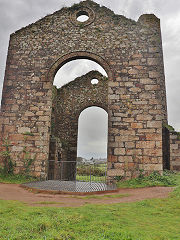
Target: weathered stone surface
x=68 y=103
x=23 y=129
x=145 y=144
x=133 y=95
x=174 y=150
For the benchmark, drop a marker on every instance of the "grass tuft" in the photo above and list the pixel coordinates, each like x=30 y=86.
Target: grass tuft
x=47 y=203
x=168 y=178
x=102 y=196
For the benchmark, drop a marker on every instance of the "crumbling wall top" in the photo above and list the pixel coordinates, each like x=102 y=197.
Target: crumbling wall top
x=88 y=7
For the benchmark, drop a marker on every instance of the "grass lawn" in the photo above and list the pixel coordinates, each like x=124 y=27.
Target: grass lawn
x=155 y=219
x=15 y=179
x=93 y=178
x=101 y=196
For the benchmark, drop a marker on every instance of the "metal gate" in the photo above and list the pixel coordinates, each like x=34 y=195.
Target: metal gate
x=77 y=171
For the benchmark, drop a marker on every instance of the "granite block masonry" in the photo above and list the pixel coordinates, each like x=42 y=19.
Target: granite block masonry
x=67 y=104
x=134 y=93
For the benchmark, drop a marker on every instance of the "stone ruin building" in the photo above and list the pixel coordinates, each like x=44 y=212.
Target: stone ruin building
x=44 y=120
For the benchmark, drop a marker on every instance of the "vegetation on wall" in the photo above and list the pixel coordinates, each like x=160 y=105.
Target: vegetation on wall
x=170 y=128
x=28 y=134
x=27 y=161
x=7 y=165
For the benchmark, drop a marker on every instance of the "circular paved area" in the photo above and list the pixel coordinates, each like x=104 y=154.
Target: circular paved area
x=70 y=186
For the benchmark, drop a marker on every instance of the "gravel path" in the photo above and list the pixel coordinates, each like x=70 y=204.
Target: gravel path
x=16 y=192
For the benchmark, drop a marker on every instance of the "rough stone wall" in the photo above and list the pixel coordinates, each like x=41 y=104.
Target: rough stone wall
x=175 y=151
x=68 y=102
x=1 y=138
x=56 y=152
x=131 y=54
x=166 y=148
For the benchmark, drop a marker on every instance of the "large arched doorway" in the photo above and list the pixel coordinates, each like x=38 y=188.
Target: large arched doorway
x=92 y=145
x=73 y=93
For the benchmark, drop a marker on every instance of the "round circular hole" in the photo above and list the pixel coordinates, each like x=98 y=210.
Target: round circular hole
x=94 y=81
x=82 y=16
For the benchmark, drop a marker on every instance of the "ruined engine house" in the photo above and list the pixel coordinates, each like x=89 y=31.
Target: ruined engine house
x=133 y=94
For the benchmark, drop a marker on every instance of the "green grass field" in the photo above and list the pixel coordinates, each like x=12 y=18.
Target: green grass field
x=93 y=178
x=15 y=178
x=155 y=219
x=97 y=173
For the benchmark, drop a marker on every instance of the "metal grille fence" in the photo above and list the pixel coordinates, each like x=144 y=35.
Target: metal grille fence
x=76 y=171
x=72 y=176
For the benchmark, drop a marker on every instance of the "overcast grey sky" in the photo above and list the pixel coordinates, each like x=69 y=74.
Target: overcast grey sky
x=95 y=145
x=15 y=14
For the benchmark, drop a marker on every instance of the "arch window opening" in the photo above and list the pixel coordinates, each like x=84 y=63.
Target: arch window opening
x=73 y=91
x=94 y=81
x=82 y=16
x=76 y=68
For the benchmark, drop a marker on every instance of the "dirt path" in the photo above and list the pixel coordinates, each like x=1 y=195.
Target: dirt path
x=15 y=192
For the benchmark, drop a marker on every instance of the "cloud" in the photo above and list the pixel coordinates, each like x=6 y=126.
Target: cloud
x=74 y=69
x=92 y=132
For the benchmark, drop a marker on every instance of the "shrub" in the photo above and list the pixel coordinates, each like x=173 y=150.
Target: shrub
x=86 y=170
x=8 y=165
x=168 y=178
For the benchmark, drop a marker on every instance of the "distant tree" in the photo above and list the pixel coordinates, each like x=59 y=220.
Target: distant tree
x=79 y=159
